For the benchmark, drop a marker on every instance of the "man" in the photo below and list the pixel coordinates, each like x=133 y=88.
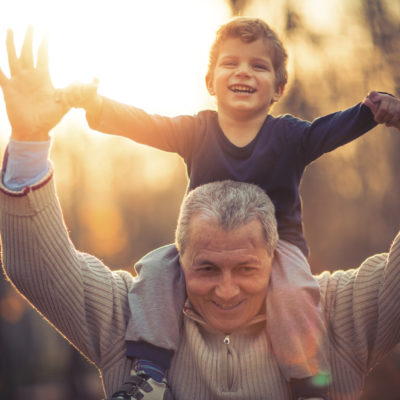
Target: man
x=226 y=237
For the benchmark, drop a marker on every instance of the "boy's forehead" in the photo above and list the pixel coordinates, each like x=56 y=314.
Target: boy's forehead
x=233 y=45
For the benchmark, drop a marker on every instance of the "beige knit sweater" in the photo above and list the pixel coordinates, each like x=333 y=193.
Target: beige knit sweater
x=88 y=304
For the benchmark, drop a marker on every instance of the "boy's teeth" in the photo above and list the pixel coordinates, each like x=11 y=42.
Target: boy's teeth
x=239 y=88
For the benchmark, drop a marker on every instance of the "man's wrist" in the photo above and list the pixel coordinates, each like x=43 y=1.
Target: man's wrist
x=21 y=136
x=26 y=163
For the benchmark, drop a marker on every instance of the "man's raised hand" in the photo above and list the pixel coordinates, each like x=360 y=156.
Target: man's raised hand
x=29 y=93
x=386 y=108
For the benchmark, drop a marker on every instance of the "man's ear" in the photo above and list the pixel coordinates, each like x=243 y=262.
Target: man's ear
x=210 y=85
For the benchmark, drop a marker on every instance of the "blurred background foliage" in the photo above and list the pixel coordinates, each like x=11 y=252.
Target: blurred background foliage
x=121 y=200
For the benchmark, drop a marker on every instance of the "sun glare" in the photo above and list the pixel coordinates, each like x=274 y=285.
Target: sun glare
x=152 y=54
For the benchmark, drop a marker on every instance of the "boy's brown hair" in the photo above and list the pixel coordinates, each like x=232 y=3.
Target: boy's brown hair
x=248 y=30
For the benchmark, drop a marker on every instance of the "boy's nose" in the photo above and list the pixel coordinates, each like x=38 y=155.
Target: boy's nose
x=243 y=70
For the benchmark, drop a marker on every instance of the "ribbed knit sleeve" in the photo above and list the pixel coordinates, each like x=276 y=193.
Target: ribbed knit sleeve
x=363 y=317
x=82 y=298
x=88 y=304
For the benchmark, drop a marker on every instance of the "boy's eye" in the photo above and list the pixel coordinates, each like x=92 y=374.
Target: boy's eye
x=261 y=67
x=228 y=64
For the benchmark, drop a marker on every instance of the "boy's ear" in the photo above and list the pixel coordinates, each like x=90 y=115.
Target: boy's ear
x=210 y=85
x=278 y=93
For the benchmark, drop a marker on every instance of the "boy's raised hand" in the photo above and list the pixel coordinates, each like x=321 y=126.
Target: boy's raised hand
x=29 y=93
x=81 y=95
x=386 y=108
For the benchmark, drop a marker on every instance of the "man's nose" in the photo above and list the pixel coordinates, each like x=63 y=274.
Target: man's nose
x=227 y=288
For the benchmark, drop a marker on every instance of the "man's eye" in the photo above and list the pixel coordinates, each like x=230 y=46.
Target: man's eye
x=207 y=269
x=246 y=269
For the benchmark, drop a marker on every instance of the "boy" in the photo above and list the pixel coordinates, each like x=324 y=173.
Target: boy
x=242 y=141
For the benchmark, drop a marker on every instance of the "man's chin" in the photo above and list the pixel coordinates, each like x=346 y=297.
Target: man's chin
x=225 y=323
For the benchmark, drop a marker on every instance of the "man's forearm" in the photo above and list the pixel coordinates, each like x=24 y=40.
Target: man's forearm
x=25 y=164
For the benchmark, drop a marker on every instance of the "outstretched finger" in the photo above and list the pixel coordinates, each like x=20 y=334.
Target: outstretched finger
x=3 y=78
x=43 y=58
x=26 y=51
x=12 y=55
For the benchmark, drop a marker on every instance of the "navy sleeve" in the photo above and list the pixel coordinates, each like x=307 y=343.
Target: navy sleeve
x=170 y=134
x=331 y=131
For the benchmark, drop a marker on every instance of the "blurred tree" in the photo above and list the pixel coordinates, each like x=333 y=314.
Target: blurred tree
x=238 y=6
x=384 y=27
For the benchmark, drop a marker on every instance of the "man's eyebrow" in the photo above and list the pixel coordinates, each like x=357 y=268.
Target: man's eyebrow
x=202 y=261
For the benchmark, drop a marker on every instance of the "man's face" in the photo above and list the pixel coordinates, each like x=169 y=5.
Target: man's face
x=226 y=272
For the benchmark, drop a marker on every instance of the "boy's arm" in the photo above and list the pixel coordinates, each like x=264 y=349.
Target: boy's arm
x=115 y=118
x=327 y=133
x=81 y=95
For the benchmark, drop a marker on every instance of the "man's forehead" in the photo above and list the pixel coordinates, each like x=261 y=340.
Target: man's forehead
x=208 y=233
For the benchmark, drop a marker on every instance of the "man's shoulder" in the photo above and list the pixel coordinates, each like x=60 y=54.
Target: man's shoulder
x=356 y=284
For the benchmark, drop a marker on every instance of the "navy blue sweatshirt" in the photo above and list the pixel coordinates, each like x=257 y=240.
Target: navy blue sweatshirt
x=274 y=160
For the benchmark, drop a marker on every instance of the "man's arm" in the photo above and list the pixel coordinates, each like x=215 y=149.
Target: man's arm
x=362 y=308
x=84 y=300
x=80 y=296
x=29 y=94
x=25 y=164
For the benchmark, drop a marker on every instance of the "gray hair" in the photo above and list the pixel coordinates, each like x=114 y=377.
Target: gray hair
x=231 y=204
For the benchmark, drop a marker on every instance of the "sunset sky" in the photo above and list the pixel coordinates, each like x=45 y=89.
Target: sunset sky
x=152 y=53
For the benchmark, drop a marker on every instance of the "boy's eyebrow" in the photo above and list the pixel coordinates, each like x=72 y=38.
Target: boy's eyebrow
x=266 y=59
x=223 y=56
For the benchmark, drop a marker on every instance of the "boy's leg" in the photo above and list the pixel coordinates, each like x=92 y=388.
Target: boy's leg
x=156 y=301
x=295 y=322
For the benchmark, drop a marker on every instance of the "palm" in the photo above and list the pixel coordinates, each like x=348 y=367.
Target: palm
x=29 y=94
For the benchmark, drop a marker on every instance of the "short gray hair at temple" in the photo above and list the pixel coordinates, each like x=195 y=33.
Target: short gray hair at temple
x=231 y=204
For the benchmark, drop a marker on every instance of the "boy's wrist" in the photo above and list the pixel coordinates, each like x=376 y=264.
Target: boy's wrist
x=81 y=95
x=93 y=108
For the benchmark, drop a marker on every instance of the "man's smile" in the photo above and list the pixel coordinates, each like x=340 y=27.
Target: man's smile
x=227 y=306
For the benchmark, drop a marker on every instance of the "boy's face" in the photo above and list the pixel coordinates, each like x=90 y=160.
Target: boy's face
x=243 y=80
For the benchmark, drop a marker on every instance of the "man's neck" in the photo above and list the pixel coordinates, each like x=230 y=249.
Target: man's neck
x=241 y=131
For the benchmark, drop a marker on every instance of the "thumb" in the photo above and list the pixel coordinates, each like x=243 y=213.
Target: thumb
x=374 y=96
x=370 y=104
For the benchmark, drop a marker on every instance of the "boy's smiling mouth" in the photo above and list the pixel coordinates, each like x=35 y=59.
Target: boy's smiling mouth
x=241 y=89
